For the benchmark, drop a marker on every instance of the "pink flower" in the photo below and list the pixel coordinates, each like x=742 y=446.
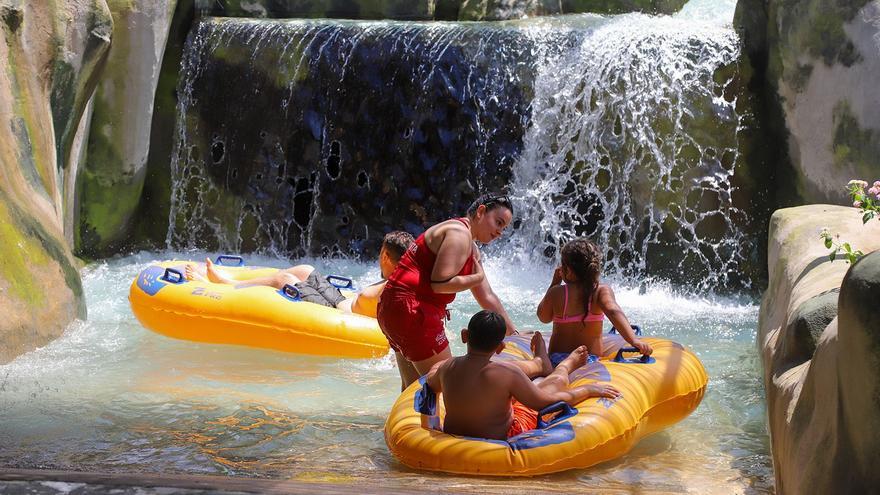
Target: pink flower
x=859 y=183
x=857 y=204
x=874 y=190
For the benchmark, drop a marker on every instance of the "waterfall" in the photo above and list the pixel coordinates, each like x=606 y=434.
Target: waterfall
x=316 y=137
x=633 y=144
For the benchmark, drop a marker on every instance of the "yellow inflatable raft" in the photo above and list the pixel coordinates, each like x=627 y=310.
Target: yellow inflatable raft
x=656 y=393
x=256 y=316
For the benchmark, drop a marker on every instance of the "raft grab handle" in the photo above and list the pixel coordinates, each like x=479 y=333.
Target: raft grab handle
x=290 y=292
x=637 y=329
x=566 y=409
x=178 y=277
x=344 y=282
x=645 y=359
x=230 y=257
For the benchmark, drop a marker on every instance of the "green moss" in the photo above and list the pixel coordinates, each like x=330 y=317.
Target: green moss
x=106 y=206
x=19 y=252
x=853 y=146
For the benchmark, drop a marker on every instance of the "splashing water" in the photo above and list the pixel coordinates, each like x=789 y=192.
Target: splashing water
x=615 y=128
x=111 y=396
x=631 y=146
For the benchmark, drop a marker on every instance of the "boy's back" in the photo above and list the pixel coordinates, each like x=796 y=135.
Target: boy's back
x=477 y=397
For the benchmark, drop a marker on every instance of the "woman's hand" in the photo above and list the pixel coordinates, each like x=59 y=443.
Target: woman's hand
x=557 y=276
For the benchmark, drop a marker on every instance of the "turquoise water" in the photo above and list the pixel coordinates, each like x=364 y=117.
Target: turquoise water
x=110 y=395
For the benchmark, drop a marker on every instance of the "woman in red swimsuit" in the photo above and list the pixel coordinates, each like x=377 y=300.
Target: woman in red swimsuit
x=443 y=261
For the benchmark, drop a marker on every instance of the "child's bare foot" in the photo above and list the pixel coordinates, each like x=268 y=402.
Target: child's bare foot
x=602 y=390
x=575 y=360
x=192 y=274
x=539 y=349
x=215 y=275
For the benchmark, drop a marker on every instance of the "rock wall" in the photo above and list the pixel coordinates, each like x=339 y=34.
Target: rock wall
x=821 y=61
x=819 y=337
x=114 y=167
x=51 y=57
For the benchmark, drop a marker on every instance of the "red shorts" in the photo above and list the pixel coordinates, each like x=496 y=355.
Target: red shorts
x=523 y=419
x=413 y=328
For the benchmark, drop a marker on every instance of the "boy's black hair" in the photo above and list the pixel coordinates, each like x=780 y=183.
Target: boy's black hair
x=397 y=242
x=491 y=201
x=486 y=330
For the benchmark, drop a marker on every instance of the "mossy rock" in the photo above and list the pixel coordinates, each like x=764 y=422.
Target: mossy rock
x=40 y=288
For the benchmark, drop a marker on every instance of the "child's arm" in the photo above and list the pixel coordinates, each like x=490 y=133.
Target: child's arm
x=612 y=310
x=432 y=378
x=545 y=307
x=537 y=398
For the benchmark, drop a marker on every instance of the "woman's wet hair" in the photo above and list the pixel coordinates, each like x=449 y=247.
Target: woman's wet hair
x=396 y=243
x=486 y=330
x=585 y=259
x=491 y=201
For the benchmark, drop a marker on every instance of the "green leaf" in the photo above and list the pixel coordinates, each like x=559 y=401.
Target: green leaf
x=833 y=255
x=828 y=243
x=847 y=248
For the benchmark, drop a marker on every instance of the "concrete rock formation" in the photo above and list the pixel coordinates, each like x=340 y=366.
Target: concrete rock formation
x=821 y=62
x=112 y=176
x=52 y=56
x=821 y=353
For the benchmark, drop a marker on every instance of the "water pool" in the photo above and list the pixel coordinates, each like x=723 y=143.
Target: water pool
x=112 y=396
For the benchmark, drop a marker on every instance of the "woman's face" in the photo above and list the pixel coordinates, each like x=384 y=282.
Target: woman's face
x=490 y=224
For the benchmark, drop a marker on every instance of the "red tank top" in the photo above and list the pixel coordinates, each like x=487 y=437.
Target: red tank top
x=413 y=273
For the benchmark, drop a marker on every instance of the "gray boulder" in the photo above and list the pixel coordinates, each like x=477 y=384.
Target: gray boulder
x=822 y=382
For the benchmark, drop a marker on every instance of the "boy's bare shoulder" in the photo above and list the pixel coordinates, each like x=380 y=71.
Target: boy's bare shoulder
x=501 y=369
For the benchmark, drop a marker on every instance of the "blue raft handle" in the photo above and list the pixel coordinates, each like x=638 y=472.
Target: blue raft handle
x=290 y=292
x=618 y=358
x=637 y=329
x=231 y=257
x=567 y=412
x=345 y=282
x=177 y=279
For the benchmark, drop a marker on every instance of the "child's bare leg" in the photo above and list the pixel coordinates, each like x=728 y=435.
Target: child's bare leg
x=278 y=280
x=558 y=380
x=538 y=366
x=301 y=272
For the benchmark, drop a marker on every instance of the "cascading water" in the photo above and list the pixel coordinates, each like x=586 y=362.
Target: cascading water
x=632 y=144
x=332 y=133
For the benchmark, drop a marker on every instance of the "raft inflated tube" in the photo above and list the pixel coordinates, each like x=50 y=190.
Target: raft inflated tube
x=256 y=316
x=655 y=393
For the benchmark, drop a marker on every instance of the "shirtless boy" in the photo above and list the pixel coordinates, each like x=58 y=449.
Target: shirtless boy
x=497 y=400
x=312 y=286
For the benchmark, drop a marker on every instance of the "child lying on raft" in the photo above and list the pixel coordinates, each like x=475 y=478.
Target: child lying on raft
x=498 y=400
x=580 y=268
x=312 y=286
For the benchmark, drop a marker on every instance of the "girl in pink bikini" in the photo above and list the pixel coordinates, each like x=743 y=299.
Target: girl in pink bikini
x=578 y=307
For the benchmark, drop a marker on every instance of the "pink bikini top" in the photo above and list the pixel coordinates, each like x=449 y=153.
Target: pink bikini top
x=577 y=318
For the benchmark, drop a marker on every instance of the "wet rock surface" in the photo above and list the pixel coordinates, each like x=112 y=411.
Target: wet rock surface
x=54 y=55
x=815 y=63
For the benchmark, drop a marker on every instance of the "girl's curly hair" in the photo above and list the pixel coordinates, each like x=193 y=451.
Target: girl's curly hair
x=585 y=259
